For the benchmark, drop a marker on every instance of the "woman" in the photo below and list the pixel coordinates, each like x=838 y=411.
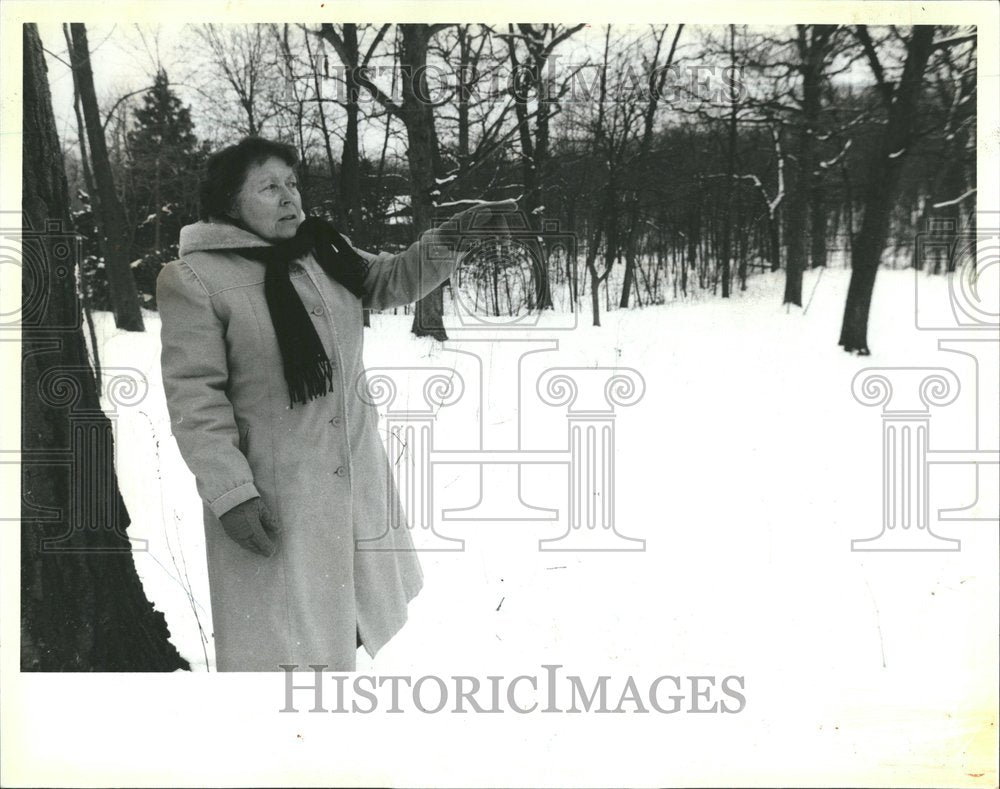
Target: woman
x=262 y=365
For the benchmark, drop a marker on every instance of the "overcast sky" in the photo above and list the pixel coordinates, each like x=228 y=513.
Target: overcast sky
x=124 y=59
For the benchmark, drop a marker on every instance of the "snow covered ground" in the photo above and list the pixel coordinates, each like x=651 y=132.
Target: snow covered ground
x=747 y=467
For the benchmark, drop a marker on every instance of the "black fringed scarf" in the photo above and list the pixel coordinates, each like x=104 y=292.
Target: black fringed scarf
x=308 y=371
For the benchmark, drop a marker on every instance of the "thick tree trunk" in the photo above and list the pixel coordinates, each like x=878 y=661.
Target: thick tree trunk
x=812 y=83
x=424 y=161
x=82 y=605
x=880 y=193
x=848 y=208
x=817 y=225
x=806 y=212
x=795 y=230
x=114 y=229
x=798 y=210
x=628 y=281
x=774 y=241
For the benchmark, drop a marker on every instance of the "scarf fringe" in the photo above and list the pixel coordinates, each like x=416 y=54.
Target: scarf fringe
x=310 y=381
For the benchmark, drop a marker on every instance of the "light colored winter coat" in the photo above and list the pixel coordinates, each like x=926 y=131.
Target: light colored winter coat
x=321 y=467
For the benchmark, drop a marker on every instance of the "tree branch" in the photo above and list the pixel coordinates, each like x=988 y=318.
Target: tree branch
x=861 y=31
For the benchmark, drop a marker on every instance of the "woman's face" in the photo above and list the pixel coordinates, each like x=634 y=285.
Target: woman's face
x=268 y=203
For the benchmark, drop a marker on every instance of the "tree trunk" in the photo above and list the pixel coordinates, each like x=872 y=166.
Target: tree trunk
x=81 y=129
x=817 y=225
x=774 y=240
x=628 y=280
x=798 y=209
x=572 y=264
x=466 y=85
x=537 y=203
x=848 y=209
x=324 y=128
x=82 y=605
x=595 y=280
x=114 y=229
x=805 y=213
x=693 y=240
x=884 y=172
x=649 y=118
x=534 y=158
x=812 y=83
x=727 y=242
x=350 y=161
x=795 y=230
x=424 y=161
x=742 y=246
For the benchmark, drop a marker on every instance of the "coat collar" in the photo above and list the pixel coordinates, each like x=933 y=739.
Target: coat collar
x=203 y=236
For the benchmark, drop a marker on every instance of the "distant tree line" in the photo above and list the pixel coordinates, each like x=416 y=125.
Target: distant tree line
x=682 y=160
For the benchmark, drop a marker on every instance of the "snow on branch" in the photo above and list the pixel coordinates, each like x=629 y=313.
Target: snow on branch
x=469 y=202
x=953 y=40
x=836 y=159
x=956 y=201
x=772 y=205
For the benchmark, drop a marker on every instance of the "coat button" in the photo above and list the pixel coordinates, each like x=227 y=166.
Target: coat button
x=295 y=268
x=317 y=310
x=335 y=421
x=341 y=471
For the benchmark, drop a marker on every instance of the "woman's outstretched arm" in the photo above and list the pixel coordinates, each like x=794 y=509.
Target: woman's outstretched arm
x=392 y=280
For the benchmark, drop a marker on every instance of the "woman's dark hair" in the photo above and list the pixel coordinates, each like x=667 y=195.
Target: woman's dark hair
x=226 y=170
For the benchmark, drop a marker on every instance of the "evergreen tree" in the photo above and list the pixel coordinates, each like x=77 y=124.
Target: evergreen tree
x=164 y=162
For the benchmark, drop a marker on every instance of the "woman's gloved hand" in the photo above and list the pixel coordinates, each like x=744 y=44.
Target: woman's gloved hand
x=249 y=523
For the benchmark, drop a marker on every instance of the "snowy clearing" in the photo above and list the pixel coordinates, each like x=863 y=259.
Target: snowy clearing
x=747 y=467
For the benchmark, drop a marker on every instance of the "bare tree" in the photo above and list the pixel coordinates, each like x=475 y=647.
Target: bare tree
x=81 y=129
x=114 y=228
x=655 y=67
x=416 y=111
x=814 y=45
x=900 y=101
x=530 y=49
x=244 y=64
x=611 y=133
x=346 y=41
